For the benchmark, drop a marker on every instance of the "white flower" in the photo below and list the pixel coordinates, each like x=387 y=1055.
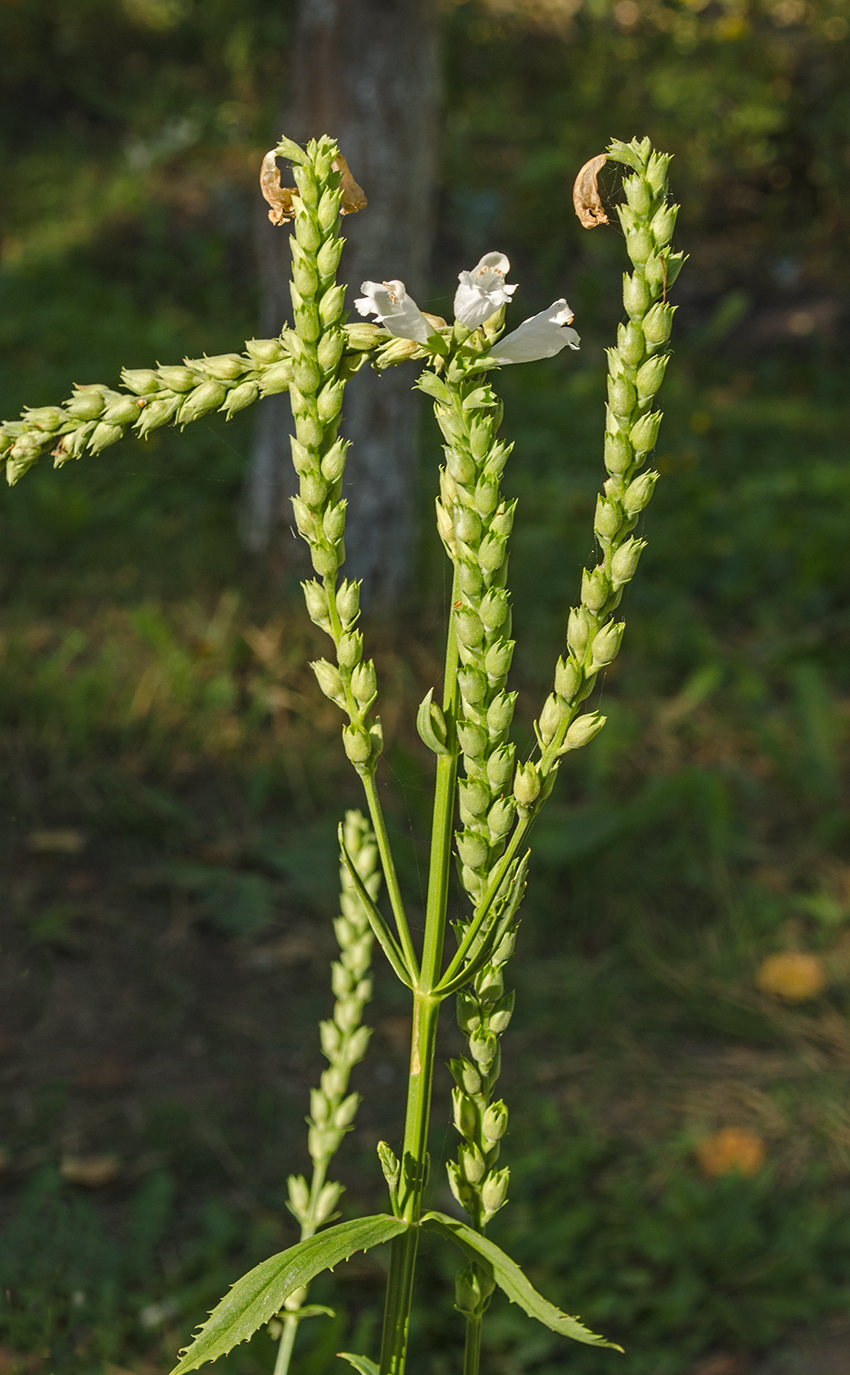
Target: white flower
x=542 y=336
x=394 y=309
x=483 y=290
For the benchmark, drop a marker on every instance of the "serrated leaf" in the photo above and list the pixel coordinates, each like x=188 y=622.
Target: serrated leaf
x=260 y=1295
x=433 y=386
x=511 y=1279
x=362 y=1364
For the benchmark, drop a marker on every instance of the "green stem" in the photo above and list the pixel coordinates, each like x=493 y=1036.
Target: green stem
x=287 y=1342
x=472 y=1345
x=308 y=1229
x=426 y=1010
x=481 y=912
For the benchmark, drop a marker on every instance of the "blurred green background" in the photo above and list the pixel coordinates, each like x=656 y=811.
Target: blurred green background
x=171 y=779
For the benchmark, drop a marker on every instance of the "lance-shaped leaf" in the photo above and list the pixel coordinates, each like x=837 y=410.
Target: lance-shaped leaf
x=382 y=932
x=261 y=1294
x=511 y=1280
x=361 y=1364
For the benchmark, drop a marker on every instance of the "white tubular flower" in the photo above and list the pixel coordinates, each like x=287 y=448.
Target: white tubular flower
x=394 y=309
x=483 y=290
x=542 y=336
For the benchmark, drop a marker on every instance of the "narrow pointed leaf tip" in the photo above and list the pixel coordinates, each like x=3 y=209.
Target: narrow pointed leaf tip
x=361 y=1364
x=511 y=1279
x=259 y=1295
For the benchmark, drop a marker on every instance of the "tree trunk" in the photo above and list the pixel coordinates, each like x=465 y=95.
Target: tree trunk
x=365 y=72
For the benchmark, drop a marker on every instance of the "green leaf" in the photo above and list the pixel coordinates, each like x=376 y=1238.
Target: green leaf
x=431 y=724
x=360 y=1363
x=511 y=1280
x=310 y=1310
x=260 y=1295
x=433 y=386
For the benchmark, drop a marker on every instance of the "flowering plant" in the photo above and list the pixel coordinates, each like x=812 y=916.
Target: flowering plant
x=485 y=798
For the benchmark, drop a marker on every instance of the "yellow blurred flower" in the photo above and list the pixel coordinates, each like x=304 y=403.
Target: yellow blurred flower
x=731 y=1150
x=792 y=975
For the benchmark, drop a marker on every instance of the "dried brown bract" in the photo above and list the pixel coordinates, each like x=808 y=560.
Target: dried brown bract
x=586 y=200
x=280 y=197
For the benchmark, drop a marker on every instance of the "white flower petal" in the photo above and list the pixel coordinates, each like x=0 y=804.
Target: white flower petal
x=483 y=291
x=541 y=336
x=394 y=309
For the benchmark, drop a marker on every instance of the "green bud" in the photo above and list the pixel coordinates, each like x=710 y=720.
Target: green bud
x=470 y=631
x=276 y=379
x=468 y=1015
x=49 y=418
x=621 y=396
x=360 y=336
x=473 y=849
x=333 y=463
x=608 y=518
x=473 y=686
x=330 y=349
x=467 y=525
x=350 y=649
x=314 y=489
x=527 y=784
x=304 y=275
x=569 y=679
x=308 y=187
x=483 y=1046
x=630 y=343
x=500 y=1018
x=466 y=1076
x=303 y=459
x=330 y=1039
x=638 y=493
x=333 y=523
x=357 y=744
x=496 y=460
x=178 y=379
x=329 y=401
x=306 y=375
x=550 y=718
x=205 y=398
x=307 y=232
x=497 y=660
x=240 y=397
x=578 y=630
x=299 y=1195
x=460 y=465
x=265 y=350
x=86 y=404
x=584 y=729
x=332 y=304
x=472 y=1163
x=491 y=553
x=494 y=1190
x=357 y=1044
x=103 y=435
x=502 y=522
x=663 y=224
x=500 y=767
x=224 y=367
x=618 y=452
x=658 y=323
x=645 y=432
x=329 y=1196
x=470 y=580
x=473 y=740
x=505 y=948
x=651 y=375
x=305 y=519
x=320 y=1108
x=655 y=271
x=635 y=296
x=656 y=172
x=326 y=561
x=606 y=645
x=638 y=195
x=348 y=602
x=328 y=210
x=640 y=244
x=595 y=589
x=480 y=434
x=329 y=680
x=486 y=497
x=494 y=1124
x=494 y=608
x=472 y=1290
x=364 y=683
x=464 y=1113
x=500 y=712
x=462 y=1191
x=141 y=381
x=474 y=800
x=500 y=818
x=625 y=561
x=157 y=413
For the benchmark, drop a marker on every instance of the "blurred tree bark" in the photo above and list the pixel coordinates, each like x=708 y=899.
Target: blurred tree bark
x=365 y=72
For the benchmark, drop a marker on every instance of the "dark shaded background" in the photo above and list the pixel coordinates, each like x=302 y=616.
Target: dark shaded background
x=171 y=781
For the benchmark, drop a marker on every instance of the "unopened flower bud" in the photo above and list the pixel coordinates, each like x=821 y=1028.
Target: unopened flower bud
x=474 y=799
x=486 y=497
x=651 y=375
x=630 y=345
x=473 y=849
x=578 y=630
x=584 y=729
x=317 y=603
x=329 y=681
x=327 y=262
x=494 y=1190
x=299 y=1194
x=347 y=1110
x=638 y=195
x=473 y=739
x=364 y=683
x=645 y=432
x=472 y=1162
x=494 y=608
x=595 y=589
x=239 y=398
x=333 y=522
x=462 y=1191
x=470 y=631
x=569 y=679
x=466 y=1076
x=663 y=223
x=625 y=561
x=141 y=381
x=635 y=295
x=330 y=1038
x=606 y=645
x=494 y=1123
x=500 y=712
x=657 y=323
x=205 y=398
x=527 y=784
x=472 y=1290
x=465 y=1113
x=330 y=349
x=550 y=718
x=500 y=818
x=329 y=401
x=348 y=602
x=331 y=305
x=500 y=767
x=326 y=561
x=87 y=403
x=467 y=525
x=358 y=746
x=468 y=1016
x=224 y=367
x=608 y=518
x=491 y=553
x=638 y=493
x=350 y=649
x=320 y=1108
x=621 y=397
x=265 y=350
x=497 y=660
x=360 y=336
x=178 y=379
x=326 y=1202
x=473 y=686
x=503 y=521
